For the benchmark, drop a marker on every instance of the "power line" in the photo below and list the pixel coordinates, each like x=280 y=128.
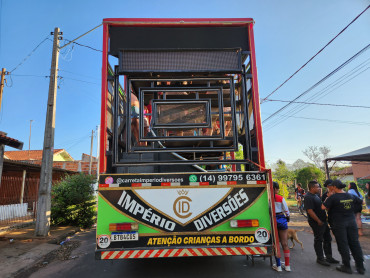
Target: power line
x=315 y=103
x=328 y=120
x=31 y=75
x=322 y=80
x=87 y=76
x=317 y=96
x=84 y=34
x=83 y=45
x=263 y=100
x=29 y=55
x=80 y=80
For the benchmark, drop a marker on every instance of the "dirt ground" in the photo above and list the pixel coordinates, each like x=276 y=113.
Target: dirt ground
x=298 y=221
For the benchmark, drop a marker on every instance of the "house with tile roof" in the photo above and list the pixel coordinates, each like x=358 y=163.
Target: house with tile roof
x=36 y=155
x=61 y=159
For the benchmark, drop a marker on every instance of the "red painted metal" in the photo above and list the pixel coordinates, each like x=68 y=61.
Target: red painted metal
x=104 y=97
x=233 y=166
x=256 y=98
x=273 y=218
x=178 y=21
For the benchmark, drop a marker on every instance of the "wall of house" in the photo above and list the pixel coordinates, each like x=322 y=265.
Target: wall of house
x=61 y=157
x=77 y=166
x=360 y=169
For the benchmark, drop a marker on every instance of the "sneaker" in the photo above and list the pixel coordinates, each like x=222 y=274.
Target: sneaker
x=287 y=268
x=343 y=268
x=331 y=260
x=322 y=262
x=277 y=268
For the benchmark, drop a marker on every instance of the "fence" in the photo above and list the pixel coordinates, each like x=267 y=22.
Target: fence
x=18 y=199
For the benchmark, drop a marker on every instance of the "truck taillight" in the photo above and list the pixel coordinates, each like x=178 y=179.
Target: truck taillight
x=128 y=226
x=244 y=223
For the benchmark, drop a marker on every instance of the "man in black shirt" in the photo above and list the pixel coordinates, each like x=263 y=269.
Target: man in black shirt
x=317 y=221
x=341 y=208
x=324 y=196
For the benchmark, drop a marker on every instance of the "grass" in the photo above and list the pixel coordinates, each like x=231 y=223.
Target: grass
x=291 y=202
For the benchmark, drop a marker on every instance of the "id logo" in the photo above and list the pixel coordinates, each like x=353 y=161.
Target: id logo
x=181 y=206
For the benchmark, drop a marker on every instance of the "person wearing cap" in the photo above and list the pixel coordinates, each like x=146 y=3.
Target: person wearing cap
x=282 y=219
x=341 y=207
x=352 y=189
x=325 y=196
x=317 y=221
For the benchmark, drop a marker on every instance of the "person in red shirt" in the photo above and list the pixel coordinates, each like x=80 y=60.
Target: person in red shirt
x=282 y=219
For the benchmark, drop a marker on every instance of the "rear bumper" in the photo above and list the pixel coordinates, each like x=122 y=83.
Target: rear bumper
x=182 y=252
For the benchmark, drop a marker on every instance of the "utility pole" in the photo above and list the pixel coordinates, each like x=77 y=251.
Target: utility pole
x=91 y=149
x=2 y=147
x=46 y=175
x=3 y=72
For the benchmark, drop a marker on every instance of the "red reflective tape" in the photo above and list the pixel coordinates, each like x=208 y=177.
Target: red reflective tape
x=221 y=251
x=109 y=254
x=103 y=185
x=260 y=250
x=231 y=251
x=178 y=252
x=118 y=255
x=202 y=251
x=165 y=184
x=204 y=183
x=129 y=254
x=241 y=251
x=158 y=253
x=138 y=254
x=231 y=183
x=148 y=254
x=251 y=251
x=210 y=250
x=168 y=253
x=136 y=184
x=261 y=182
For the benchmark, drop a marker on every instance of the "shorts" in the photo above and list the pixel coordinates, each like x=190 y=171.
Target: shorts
x=282 y=222
x=135 y=112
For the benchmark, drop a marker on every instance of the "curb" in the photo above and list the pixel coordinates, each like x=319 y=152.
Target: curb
x=6 y=229
x=45 y=257
x=59 y=239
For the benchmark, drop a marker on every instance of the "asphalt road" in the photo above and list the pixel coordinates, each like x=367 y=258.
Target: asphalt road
x=82 y=264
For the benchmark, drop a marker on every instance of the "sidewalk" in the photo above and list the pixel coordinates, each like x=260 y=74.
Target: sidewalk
x=20 y=249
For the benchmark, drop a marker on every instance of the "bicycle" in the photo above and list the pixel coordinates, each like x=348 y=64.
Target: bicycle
x=301 y=207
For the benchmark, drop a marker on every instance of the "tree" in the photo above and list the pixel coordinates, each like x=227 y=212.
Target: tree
x=307 y=174
x=299 y=164
x=73 y=201
x=317 y=155
x=284 y=177
x=282 y=173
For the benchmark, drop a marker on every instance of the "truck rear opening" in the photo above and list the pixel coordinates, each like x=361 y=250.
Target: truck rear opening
x=182 y=170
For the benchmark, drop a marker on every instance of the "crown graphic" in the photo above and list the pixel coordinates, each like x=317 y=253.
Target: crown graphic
x=183 y=192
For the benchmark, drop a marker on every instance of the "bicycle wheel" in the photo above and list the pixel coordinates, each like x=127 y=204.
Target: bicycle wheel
x=302 y=210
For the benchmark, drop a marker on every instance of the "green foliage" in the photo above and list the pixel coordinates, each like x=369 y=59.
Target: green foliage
x=307 y=174
x=73 y=201
x=239 y=155
x=282 y=173
x=283 y=191
x=362 y=184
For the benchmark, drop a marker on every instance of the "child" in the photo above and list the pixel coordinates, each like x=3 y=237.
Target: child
x=282 y=219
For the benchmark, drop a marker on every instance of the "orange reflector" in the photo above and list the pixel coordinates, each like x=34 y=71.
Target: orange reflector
x=244 y=223
x=128 y=226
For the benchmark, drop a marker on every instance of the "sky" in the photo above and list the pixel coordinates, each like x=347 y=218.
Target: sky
x=287 y=34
